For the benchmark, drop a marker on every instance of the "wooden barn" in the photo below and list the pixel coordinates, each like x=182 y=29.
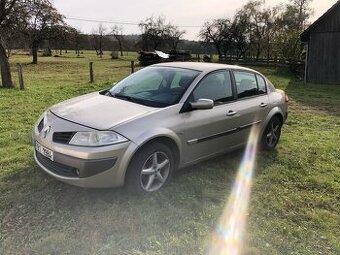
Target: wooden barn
x=322 y=42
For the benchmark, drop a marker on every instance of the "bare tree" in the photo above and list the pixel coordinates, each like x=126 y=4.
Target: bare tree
x=174 y=36
x=117 y=32
x=215 y=32
x=153 y=33
x=98 y=36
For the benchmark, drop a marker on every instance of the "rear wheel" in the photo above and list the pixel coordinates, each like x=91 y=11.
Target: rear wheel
x=150 y=169
x=272 y=133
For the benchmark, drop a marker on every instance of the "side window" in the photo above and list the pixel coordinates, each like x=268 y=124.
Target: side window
x=215 y=86
x=261 y=84
x=246 y=84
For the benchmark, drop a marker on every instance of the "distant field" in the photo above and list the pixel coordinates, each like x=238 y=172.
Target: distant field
x=295 y=202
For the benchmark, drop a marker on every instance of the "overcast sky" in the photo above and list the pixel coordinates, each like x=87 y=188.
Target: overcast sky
x=183 y=13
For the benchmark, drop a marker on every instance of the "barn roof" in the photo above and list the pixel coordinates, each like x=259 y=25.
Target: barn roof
x=305 y=35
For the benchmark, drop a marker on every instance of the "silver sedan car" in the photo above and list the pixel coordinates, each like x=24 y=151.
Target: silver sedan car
x=159 y=119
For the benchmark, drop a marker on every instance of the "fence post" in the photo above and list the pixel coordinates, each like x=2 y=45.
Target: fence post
x=132 y=66
x=91 y=71
x=21 y=77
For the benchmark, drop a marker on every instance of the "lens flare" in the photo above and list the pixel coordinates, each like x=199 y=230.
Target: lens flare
x=227 y=238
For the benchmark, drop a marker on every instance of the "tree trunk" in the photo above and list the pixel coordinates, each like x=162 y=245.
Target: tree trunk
x=35 y=47
x=258 y=52
x=6 y=77
x=100 y=47
x=120 y=48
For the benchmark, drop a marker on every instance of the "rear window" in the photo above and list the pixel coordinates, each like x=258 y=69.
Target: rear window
x=261 y=84
x=246 y=84
x=249 y=84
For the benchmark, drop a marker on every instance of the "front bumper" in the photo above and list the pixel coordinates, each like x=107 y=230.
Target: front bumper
x=67 y=166
x=90 y=167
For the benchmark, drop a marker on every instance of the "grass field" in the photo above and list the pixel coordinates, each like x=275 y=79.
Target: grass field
x=295 y=203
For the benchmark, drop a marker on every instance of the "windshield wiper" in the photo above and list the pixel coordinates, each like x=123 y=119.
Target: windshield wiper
x=122 y=96
x=139 y=100
x=108 y=93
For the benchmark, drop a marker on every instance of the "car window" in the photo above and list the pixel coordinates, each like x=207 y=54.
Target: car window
x=181 y=80
x=246 y=84
x=261 y=84
x=151 y=81
x=155 y=86
x=215 y=86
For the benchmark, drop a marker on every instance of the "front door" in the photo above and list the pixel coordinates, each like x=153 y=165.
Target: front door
x=208 y=132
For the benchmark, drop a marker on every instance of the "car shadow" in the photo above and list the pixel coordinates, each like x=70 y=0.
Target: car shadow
x=34 y=205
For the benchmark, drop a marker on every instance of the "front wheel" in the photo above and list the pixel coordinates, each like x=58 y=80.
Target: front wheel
x=150 y=169
x=272 y=133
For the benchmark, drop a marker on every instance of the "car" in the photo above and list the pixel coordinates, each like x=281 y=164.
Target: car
x=162 y=118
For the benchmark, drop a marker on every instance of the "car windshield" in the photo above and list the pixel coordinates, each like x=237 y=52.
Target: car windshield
x=155 y=86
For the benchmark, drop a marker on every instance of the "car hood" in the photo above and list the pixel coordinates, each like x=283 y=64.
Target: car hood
x=99 y=111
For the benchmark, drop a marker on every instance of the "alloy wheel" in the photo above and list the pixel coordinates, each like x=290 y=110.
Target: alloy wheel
x=273 y=133
x=155 y=171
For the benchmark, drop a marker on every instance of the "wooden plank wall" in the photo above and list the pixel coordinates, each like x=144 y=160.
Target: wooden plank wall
x=324 y=51
x=324 y=58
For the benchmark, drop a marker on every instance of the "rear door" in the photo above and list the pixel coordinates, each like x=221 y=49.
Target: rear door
x=252 y=105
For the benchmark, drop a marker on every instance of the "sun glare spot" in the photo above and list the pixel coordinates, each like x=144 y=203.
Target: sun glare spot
x=227 y=239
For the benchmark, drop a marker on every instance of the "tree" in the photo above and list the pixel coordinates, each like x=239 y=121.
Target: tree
x=174 y=36
x=240 y=34
x=290 y=23
x=117 y=32
x=270 y=20
x=216 y=32
x=158 y=34
x=41 y=17
x=98 y=38
x=153 y=32
x=63 y=37
x=303 y=10
x=10 y=13
x=79 y=41
x=255 y=12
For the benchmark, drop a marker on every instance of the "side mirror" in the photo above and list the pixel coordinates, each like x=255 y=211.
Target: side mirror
x=202 y=104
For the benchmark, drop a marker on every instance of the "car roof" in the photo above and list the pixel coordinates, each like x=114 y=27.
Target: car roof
x=203 y=67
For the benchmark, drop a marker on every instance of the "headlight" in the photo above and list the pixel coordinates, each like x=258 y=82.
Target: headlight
x=96 y=138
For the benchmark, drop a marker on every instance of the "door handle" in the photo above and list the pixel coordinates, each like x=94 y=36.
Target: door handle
x=231 y=113
x=262 y=105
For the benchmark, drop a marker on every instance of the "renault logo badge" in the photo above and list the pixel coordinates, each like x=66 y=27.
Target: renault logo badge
x=46 y=130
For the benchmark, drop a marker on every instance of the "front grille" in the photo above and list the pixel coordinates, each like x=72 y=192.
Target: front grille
x=57 y=168
x=41 y=125
x=63 y=137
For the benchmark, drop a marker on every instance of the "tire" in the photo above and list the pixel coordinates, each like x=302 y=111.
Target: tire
x=150 y=169
x=271 y=134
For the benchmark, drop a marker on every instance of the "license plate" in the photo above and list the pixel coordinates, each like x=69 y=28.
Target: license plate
x=44 y=151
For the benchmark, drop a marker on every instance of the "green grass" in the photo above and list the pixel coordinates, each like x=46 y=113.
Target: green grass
x=295 y=202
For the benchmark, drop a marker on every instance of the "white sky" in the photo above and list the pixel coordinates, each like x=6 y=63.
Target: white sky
x=179 y=12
